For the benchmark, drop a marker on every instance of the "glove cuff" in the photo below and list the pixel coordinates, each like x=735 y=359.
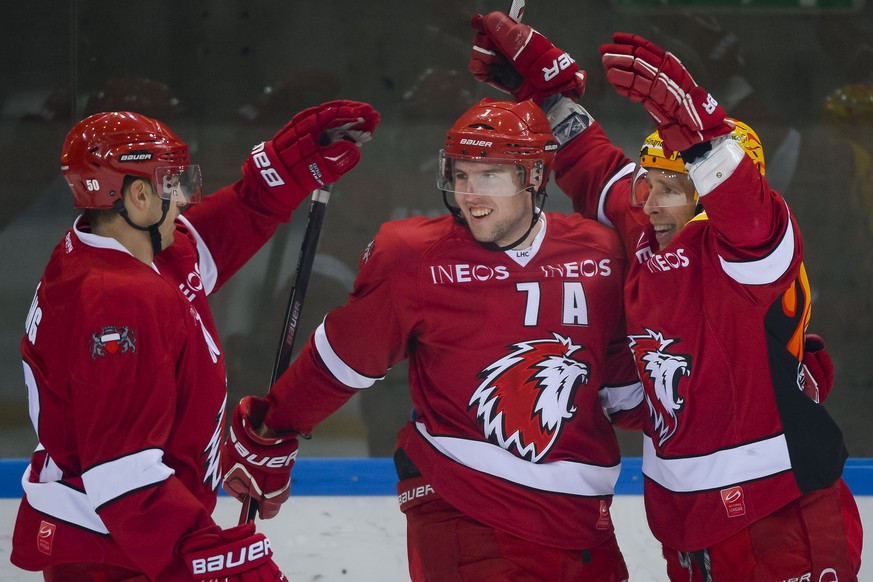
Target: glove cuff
x=249 y=415
x=567 y=118
x=715 y=166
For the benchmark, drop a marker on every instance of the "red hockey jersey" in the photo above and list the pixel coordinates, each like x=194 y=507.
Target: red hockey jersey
x=513 y=358
x=127 y=385
x=715 y=323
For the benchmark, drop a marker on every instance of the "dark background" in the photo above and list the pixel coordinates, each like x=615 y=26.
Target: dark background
x=226 y=75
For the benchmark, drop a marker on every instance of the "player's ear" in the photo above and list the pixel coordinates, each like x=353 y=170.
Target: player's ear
x=138 y=193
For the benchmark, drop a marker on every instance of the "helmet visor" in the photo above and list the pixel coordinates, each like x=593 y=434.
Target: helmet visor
x=179 y=184
x=661 y=188
x=491 y=177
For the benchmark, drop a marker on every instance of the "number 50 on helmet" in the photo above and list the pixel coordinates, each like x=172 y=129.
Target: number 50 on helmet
x=101 y=150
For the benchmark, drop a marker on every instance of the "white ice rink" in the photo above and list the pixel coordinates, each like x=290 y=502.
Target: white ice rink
x=361 y=538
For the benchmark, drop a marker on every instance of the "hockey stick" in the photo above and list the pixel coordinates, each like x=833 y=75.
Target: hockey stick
x=516 y=10
x=295 y=305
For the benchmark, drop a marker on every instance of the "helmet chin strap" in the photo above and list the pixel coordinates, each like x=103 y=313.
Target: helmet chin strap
x=492 y=246
x=154 y=233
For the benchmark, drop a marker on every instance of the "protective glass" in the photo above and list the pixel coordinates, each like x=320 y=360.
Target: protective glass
x=494 y=177
x=661 y=188
x=180 y=184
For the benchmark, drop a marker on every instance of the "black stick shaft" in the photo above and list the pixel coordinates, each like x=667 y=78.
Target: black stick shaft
x=295 y=306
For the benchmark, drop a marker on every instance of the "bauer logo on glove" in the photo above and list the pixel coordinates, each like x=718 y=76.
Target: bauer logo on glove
x=562 y=63
x=268 y=172
x=256 y=466
x=235 y=557
x=517 y=59
x=252 y=458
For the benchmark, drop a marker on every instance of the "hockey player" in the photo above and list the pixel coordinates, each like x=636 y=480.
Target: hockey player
x=511 y=320
x=125 y=375
x=742 y=467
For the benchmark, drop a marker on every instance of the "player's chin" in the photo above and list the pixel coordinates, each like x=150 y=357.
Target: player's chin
x=664 y=237
x=480 y=233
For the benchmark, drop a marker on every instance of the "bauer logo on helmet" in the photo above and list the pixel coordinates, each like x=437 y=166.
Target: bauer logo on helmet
x=135 y=157
x=477 y=143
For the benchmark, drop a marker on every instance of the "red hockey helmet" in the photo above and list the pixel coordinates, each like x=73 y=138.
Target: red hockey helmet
x=105 y=147
x=501 y=132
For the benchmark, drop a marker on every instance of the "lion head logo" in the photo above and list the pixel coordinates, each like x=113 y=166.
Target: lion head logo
x=525 y=397
x=661 y=372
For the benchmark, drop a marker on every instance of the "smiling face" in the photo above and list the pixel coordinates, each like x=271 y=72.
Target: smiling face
x=492 y=200
x=670 y=203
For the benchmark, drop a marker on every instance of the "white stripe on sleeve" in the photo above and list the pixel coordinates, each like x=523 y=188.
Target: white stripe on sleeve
x=111 y=480
x=337 y=367
x=618 y=398
x=208 y=268
x=601 y=203
x=764 y=270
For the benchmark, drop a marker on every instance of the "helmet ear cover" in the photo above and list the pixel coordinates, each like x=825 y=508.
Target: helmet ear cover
x=104 y=148
x=750 y=142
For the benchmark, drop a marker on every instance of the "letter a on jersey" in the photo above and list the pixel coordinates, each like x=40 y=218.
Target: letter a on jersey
x=526 y=396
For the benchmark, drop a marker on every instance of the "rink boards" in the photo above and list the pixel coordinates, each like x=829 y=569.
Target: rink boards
x=376 y=476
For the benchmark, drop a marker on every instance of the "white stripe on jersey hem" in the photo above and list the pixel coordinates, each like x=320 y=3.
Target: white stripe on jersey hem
x=63 y=502
x=567 y=477
x=111 y=480
x=208 y=268
x=617 y=398
x=764 y=270
x=337 y=367
x=719 y=469
x=604 y=194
